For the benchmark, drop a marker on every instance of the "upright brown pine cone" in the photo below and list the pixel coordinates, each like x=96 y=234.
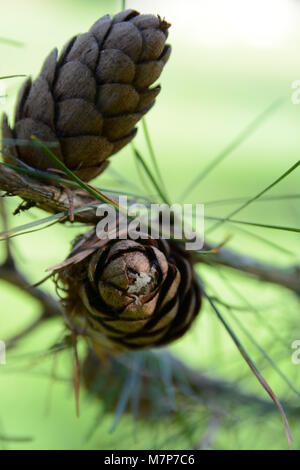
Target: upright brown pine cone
x=88 y=102
x=130 y=294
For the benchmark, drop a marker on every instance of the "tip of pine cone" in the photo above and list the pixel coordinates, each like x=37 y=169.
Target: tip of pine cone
x=163 y=24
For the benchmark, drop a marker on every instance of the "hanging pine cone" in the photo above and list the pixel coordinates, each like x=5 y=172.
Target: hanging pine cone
x=88 y=102
x=133 y=294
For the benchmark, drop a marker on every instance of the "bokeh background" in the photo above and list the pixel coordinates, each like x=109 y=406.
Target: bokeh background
x=231 y=59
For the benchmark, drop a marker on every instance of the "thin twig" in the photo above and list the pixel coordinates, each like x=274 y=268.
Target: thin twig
x=288 y=277
x=13 y=276
x=10 y=273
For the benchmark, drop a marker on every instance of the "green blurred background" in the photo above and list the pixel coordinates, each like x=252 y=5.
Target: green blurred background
x=230 y=61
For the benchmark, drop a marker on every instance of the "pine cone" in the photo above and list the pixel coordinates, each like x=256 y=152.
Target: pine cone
x=88 y=102
x=136 y=294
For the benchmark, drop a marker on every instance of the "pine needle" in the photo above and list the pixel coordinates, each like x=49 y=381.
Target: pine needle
x=265 y=241
x=11 y=42
x=24 y=229
x=253 y=368
x=261 y=350
x=93 y=191
x=153 y=156
x=257 y=196
x=40 y=175
x=253 y=224
x=246 y=132
x=5 y=77
x=124 y=398
x=14 y=439
x=236 y=200
x=150 y=175
x=141 y=174
x=76 y=374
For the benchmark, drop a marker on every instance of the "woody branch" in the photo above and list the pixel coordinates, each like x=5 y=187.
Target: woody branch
x=56 y=199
